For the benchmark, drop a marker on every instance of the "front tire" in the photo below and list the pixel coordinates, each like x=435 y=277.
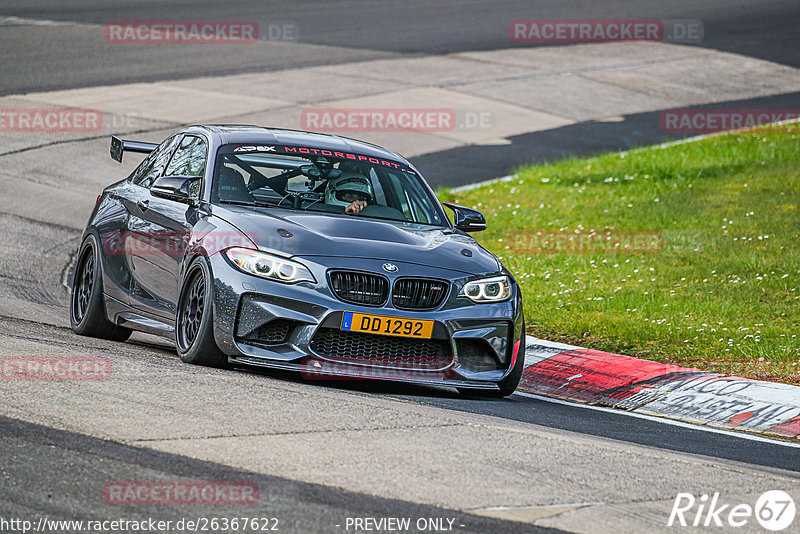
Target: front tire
x=194 y=328
x=87 y=311
x=509 y=384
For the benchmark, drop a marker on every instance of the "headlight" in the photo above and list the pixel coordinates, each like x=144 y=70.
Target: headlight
x=269 y=266
x=495 y=289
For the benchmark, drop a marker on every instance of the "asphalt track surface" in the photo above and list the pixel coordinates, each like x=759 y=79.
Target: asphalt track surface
x=48 y=472
x=45 y=470
x=618 y=426
x=612 y=424
x=581 y=139
x=38 y=56
x=340 y=31
x=30 y=452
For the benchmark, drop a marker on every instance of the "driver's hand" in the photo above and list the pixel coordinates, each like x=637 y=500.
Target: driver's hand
x=356 y=207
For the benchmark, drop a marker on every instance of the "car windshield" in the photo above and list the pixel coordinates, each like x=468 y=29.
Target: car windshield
x=323 y=181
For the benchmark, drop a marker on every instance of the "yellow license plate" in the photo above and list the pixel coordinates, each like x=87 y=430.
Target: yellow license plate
x=387 y=326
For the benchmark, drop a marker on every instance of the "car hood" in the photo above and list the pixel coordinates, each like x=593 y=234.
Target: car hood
x=318 y=234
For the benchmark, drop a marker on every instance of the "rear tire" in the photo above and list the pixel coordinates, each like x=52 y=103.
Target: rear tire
x=509 y=384
x=87 y=310
x=194 y=328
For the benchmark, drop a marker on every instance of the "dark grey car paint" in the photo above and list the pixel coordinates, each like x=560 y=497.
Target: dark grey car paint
x=142 y=290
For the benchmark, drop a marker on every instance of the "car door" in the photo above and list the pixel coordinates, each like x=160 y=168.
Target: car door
x=117 y=259
x=159 y=230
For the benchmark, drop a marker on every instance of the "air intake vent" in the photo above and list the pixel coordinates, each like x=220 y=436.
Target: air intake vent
x=476 y=355
x=382 y=351
x=275 y=332
x=360 y=288
x=418 y=293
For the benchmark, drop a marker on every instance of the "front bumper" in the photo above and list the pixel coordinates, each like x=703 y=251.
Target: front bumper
x=258 y=322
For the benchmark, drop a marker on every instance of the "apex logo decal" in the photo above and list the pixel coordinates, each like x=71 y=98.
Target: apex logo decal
x=259 y=148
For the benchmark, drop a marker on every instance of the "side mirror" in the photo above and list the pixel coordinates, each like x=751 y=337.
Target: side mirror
x=178 y=188
x=467 y=219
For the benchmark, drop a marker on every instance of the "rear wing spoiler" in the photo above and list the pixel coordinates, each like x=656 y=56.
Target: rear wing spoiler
x=118 y=146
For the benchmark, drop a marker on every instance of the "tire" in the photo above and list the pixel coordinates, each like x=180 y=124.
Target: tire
x=194 y=328
x=87 y=311
x=509 y=384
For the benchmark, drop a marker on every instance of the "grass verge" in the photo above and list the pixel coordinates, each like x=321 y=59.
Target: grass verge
x=687 y=254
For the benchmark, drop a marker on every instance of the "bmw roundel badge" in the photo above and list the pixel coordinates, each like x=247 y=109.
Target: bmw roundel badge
x=390 y=267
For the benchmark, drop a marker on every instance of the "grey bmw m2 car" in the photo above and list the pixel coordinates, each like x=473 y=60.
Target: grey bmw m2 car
x=299 y=251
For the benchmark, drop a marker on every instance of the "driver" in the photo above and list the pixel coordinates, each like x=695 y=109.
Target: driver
x=351 y=190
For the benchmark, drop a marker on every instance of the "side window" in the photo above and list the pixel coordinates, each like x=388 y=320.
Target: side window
x=189 y=159
x=151 y=168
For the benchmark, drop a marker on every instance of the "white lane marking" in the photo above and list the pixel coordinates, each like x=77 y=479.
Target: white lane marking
x=666 y=421
x=536 y=342
x=477 y=185
x=17 y=21
x=538 y=506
